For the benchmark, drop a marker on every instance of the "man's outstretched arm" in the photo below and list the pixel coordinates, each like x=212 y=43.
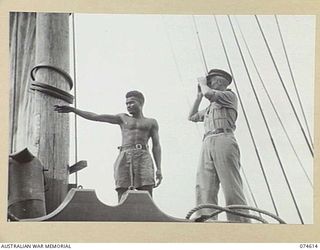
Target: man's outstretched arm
x=114 y=119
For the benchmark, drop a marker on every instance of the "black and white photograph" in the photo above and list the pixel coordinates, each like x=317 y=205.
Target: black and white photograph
x=159 y=122
x=161 y=118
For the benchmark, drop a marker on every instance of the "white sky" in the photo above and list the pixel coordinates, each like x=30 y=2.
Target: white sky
x=119 y=53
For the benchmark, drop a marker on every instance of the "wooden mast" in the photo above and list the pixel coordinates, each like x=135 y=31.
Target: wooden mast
x=52 y=129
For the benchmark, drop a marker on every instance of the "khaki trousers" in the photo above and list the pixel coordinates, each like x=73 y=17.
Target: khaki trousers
x=220 y=164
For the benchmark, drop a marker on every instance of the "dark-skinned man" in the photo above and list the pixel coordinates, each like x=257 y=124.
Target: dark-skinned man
x=134 y=167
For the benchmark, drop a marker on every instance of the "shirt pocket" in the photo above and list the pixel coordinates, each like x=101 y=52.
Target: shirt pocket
x=208 y=165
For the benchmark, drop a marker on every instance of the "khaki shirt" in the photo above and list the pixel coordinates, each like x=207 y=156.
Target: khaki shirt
x=221 y=113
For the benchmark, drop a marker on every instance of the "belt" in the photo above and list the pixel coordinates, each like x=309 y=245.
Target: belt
x=133 y=146
x=218 y=131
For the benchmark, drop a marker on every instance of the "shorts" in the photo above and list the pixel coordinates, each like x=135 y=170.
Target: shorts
x=135 y=161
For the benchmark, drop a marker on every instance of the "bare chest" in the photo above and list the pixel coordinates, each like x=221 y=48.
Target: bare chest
x=136 y=124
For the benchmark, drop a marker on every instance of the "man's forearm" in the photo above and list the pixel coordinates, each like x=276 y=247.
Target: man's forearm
x=85 y=114
x=195 y=106
x=156 y=151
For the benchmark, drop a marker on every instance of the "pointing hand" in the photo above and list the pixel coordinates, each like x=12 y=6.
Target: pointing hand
x=63 y=109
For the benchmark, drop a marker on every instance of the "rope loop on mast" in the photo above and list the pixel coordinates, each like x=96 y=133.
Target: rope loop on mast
x=49 y=89
x=54 y=68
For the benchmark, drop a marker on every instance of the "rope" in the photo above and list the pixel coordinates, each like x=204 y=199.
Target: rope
x=52 y=91
x=221 y=209
x=75 y=98
x=285 y=89
x=257 y=210
x=293 y=81
x=229 y=209
x=271 y=102
x=247 y=120
x=200 y=44
x=247 y=207
x=54 y=68
x=265 y=121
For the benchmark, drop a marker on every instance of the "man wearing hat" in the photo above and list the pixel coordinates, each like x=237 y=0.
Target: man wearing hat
x=220 y=155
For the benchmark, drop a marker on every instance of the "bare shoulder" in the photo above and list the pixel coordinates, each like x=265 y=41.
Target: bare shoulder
x=123 y=115
x=152 y=122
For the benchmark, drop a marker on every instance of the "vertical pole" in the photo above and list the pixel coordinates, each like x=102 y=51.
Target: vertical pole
x=52 y=129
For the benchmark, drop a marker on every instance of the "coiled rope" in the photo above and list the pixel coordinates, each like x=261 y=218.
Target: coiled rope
x=229 y=209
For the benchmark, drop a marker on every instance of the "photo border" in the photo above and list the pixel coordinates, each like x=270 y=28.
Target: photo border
x=150 y=231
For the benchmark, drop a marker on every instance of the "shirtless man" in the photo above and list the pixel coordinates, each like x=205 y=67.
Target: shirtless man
x=133 y=168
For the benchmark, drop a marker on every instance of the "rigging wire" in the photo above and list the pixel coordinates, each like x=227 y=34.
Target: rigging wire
x=271 y=102
x=283 y=85
x=246 y=119
x=249 y=187
x=200 y=44
x=75 y=97
x=177 y=67
x=293 y=81
x=265 y=121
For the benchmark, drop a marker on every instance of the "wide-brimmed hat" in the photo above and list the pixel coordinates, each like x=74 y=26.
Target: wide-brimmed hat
x=220 y=72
